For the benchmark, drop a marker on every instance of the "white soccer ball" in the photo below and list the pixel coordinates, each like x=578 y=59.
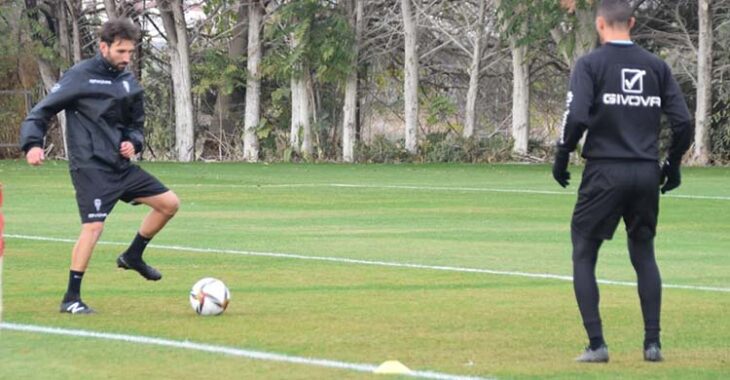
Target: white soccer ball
x=209 y=296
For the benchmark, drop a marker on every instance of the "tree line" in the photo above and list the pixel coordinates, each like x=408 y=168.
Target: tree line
x=360 y=80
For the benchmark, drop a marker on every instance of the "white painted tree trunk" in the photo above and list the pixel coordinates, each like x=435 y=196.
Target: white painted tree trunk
x=305 y=115
x=349 y=110
x=473 y=92
x=701 y=153
x=349 y=121
x=176 y=29
x=411 y=77
x=300 y=114
x=253 y=83
x=520 y=97
x=296 y=93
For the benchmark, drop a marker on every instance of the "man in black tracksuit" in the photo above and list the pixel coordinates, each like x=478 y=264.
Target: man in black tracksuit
x=618 y=93
x=105 y=115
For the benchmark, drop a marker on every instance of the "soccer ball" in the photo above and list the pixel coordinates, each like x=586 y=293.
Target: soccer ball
x=209 y=296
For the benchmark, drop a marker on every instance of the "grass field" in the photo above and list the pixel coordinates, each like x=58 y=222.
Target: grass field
x=344 y=298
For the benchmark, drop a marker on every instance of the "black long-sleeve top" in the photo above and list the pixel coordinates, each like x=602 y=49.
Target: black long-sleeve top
x=618 y=93
x=104 y=106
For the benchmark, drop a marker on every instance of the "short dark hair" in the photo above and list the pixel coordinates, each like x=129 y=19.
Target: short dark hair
x=615 y=11
x=121 y=28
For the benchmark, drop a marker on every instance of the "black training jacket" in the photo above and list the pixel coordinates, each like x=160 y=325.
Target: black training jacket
x=104 y=106
x=618 y=93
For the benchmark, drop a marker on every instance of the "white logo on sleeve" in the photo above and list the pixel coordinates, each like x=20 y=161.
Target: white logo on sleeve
x=568 y=101
x=632 y=81
x=55 y=87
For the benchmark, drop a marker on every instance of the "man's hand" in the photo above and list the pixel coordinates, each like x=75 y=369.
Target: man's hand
x=560 y=168
x=35 y=156
x=127 y=149
x=671 y=178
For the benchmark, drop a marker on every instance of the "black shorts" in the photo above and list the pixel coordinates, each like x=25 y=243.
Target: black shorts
x=97 y=191
x=612 y=190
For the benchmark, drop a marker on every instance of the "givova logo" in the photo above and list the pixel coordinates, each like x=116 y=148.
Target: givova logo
x=632 y=86
x=632 y=81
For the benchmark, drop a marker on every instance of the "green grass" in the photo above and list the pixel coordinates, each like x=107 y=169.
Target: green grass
x=452 y=322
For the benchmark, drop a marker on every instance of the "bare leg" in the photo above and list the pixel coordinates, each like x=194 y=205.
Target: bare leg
x=80 y=257
x=164 y=206
x=90 y=233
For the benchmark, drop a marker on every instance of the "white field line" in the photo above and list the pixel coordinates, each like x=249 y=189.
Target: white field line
x=425 y=188
x=224 y=350
x=373 y=262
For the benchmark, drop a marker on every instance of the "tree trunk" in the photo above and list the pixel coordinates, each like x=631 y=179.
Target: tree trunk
x=473 y=92
x=227 y=106
x=585 y=39
x=520 y=96
x=75 y=7
x=585 y=33
x=176 y=29
x=49 y=76
x=300 y=117
x=296 y=93
x=349 y=110
x=701 y=153
x=56 y=23
x=411 y=77
x=253 y=83
x=349 y=114
x=64 y=41
x=111 y=9
x=305 y=109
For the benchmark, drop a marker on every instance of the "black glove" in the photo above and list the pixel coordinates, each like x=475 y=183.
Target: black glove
x=560 y=168
x=671 y=178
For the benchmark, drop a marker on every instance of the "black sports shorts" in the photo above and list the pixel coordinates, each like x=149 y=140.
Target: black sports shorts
x=97 y=191
x=611 y=190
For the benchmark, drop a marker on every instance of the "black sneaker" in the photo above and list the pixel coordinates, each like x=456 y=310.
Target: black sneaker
x=653 y=353
x=599 y=355
x=140 y=266
x=76 y=307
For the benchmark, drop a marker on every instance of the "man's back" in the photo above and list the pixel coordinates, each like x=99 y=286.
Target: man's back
x=619 y=92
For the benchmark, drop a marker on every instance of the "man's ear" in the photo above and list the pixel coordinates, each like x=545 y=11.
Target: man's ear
x=600 y=24
x=632 y=22
x=103 y=47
